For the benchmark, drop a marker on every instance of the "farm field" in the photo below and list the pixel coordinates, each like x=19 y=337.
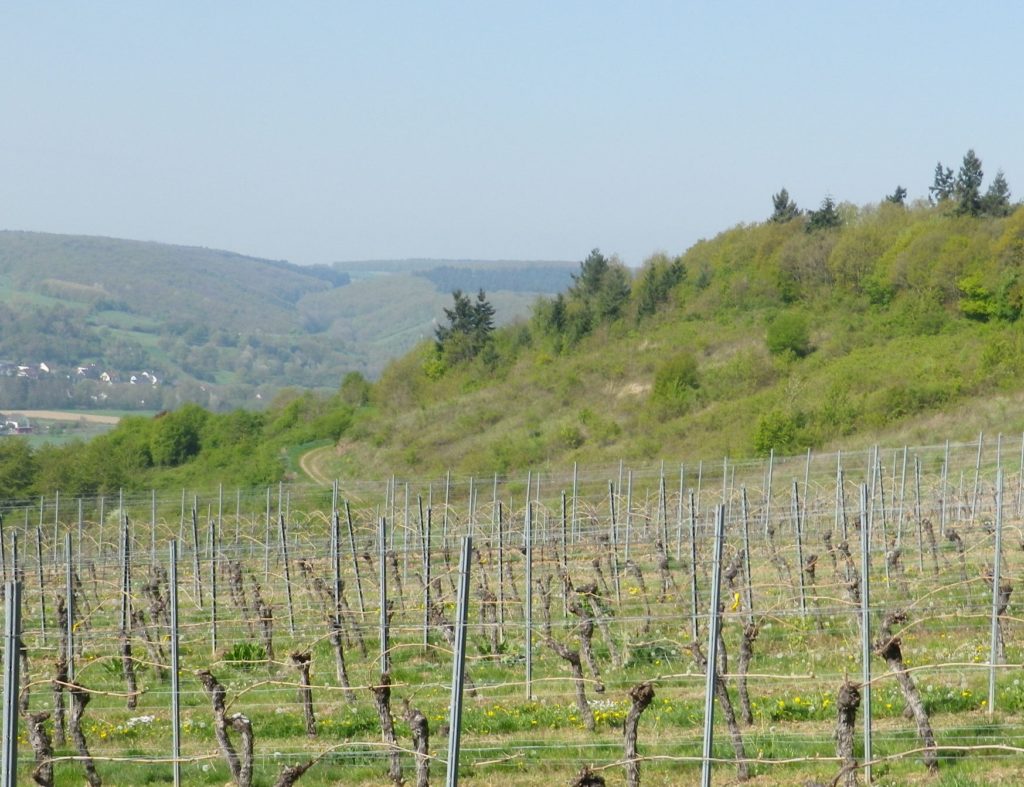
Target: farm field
x=607 y=573
x=62 y=426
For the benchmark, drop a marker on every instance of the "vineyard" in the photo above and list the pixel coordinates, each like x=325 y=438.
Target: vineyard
x=863 y=628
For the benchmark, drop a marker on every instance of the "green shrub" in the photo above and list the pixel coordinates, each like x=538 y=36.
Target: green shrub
x=570 y=436
x=777 y=431
x=788 y=333
x=675 y=383
x=355 y=390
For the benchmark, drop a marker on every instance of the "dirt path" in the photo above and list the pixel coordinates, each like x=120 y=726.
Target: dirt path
x=312 y=464
x=68 y=415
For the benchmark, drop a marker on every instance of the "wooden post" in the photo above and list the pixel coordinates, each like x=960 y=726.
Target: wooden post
x=355 y=560
x=797 y=527
x=42 y=584
x=382 y=559
x=613 y=529
x=287 y=574
x=197 y=581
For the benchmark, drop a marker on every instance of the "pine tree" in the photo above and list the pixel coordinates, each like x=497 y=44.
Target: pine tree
x=942 y=186
x=469 y=327
x=483 y=319
x=826 y=217
x=898 y=197
x=784 y=208
x=588 y=282
x=967 y=187
x=996 y=201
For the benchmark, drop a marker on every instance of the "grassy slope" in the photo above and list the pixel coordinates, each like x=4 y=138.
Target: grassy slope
x=895 y=358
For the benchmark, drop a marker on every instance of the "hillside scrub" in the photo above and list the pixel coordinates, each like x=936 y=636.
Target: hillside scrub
x=797 y=339
x=763 y=338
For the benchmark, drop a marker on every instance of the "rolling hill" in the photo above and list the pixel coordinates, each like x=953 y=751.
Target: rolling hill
x=212 y=327
x=899 y=323
x=895 y=325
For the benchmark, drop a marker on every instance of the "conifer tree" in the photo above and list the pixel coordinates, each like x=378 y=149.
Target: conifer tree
x=784 y=208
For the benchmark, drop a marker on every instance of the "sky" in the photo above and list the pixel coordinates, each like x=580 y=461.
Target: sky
x=320 y=132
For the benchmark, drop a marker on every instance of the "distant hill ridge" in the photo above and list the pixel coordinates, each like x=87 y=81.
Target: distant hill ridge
x=218 y=328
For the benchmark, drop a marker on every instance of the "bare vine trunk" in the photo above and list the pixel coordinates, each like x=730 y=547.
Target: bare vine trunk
x=79 y=699
x=42 y=774
x=240 y=767
x=420 y=729
x=750 y=632
x=382 y=701
x=642 y=694
x=300 y=660
x=847 y=702
x=722 y=694
x=888 y=647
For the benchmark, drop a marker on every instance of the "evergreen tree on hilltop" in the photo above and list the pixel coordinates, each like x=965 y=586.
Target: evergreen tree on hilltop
x=601 y=287
x=942 y=184
x=784 y=208
x=898 y=197
x=483 y=318
x=825 y=217
x=963 y=190
x=469 y=327
x=587 y=283
x=967 y=188
x=996 y=201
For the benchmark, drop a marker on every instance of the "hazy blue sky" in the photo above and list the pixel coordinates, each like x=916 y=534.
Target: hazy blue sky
x=326 y=131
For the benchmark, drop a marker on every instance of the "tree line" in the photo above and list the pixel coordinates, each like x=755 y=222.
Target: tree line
x=960 y=192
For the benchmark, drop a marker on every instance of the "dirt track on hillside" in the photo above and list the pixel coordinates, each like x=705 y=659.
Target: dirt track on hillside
x=68 y=415
x=312 y=463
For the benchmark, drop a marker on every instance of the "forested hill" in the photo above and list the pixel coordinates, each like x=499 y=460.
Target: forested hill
x=210 y=326
x=839 y=327
x=887 y=322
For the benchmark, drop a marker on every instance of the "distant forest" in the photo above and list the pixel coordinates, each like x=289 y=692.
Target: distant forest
x=548 y=279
